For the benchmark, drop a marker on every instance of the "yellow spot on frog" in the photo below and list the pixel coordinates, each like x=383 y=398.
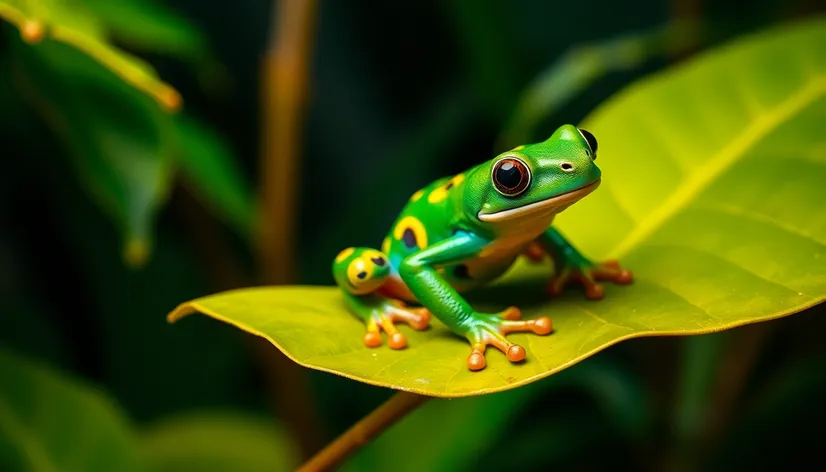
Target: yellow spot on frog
x=417 y=195
x=360 y=266
x=385 y=246
x=345 y=254
x=371 y=254
x=412 y=223
x=518 y=148
x=441 y=192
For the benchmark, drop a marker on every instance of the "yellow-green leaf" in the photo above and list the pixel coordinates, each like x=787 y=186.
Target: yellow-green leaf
x=50 y=422
x=73 y=23
x=218 y=441
x=712 y=194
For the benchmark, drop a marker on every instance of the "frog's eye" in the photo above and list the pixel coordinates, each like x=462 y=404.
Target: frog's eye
x=592 y=142
x=511 y=177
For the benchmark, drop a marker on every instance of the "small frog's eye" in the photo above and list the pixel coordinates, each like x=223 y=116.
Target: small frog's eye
x=592 y=142
x=378 y=260
x=511 y=177
x=359 y=271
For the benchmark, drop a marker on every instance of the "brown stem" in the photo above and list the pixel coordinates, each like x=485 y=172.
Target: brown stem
x=364 y=431
x=283 y=88
x=285 y=79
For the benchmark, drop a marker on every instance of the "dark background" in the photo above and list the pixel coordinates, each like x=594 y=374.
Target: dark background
x=421 y=86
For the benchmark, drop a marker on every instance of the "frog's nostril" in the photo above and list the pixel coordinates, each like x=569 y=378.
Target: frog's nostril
x=379 y=261
x=567 y=167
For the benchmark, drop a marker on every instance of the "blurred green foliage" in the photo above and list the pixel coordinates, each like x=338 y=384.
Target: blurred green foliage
x=402 y=92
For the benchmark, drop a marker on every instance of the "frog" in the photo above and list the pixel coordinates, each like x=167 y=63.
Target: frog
x=462 y=232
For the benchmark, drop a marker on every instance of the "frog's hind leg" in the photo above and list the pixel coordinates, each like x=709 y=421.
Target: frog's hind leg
x=382 y=314
x=360 y=272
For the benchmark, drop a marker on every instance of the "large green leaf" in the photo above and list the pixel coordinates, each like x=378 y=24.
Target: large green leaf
x=74 y=23
x=712 y=195
x=218 y=441
x=49 y=422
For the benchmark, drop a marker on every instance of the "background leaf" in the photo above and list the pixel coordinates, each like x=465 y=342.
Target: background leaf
x=38 y=407
x=217 y=441
x=467 y=427
x=74 y=24
x=715 y=241
x=211 y=168
x=120 y=141
x=152 y=26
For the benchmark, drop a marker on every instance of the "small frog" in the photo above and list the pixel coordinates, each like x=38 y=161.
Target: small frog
x=462 y=232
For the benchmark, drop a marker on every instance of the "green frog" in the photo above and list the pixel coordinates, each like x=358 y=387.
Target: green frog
x=464 y=231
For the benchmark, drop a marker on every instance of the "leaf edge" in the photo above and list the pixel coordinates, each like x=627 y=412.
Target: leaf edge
x=195 y=306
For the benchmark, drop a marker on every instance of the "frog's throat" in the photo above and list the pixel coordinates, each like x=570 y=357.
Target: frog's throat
x=553 y=204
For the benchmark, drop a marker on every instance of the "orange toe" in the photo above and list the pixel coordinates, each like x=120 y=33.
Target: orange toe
x=372 y=339
x=542 y=325
x=397 y=341
x=516 y=353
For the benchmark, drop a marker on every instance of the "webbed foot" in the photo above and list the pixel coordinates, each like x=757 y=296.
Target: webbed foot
x=490 y=329
x=588 y=275
x=385 y=316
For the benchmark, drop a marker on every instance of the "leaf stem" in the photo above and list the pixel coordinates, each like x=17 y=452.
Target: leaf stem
x=361 y=433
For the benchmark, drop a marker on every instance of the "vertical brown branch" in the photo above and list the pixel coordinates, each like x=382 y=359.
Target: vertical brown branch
x=284 y=85
x=285 y=79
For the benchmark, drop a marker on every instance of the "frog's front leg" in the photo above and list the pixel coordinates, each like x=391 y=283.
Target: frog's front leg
x=570 y=265
x=360 y=272
x=434 y=293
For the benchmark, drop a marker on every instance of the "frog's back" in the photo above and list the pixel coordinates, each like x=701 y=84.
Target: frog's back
x=424 y=220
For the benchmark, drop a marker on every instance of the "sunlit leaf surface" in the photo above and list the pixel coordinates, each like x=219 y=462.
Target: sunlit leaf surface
x=76 y=24
x=51 y=423
x=712 y=194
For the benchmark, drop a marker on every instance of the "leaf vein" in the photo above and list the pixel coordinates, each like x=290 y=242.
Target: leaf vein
x=725 y=158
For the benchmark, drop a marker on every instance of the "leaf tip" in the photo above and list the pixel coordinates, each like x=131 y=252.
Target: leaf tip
x=180 y=311
x=136 y=253
x=32 y=31
x=170 y=99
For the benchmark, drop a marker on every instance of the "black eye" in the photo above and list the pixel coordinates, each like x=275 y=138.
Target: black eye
x=361 y=274
x=511 y=177
x=379 y=261
x=592 y=142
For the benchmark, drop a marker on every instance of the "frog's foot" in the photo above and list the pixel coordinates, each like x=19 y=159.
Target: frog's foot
x=534 y=252
x=588 y=278
x=386 y=318
x=491 y=330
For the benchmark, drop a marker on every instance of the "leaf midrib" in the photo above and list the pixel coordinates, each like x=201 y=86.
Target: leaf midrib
x=688 y=189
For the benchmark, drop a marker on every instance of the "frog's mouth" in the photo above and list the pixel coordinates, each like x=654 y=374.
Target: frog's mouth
x=549 y=205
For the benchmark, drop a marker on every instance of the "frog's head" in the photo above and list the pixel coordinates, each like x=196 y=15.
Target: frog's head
x=536 y=180
x=360 y=270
